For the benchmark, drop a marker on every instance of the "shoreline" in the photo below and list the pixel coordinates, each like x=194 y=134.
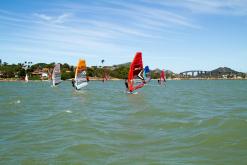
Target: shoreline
x=116 y=79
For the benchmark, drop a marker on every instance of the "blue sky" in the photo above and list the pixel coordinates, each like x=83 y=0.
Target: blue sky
x=177 y=35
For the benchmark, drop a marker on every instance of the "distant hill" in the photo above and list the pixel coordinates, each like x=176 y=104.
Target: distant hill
x=157 y=70
x=169 y=72
x=127 y=64
x=224 y=70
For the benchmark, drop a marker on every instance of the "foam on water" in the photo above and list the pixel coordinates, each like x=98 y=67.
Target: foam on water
x=68 y=111
x=16 y=102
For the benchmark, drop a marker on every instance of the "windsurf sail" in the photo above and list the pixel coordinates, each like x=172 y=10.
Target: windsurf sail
x=56 y=75
x=146 y=74
x=26 y=78
x=80 y=75
x=105 y=75
x=136 y=73
x=162 y=77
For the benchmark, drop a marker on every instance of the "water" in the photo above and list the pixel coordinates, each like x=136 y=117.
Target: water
x=186 y=122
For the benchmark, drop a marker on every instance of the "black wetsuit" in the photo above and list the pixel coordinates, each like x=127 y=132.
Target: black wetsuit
x=73 y=83
x=126 y=84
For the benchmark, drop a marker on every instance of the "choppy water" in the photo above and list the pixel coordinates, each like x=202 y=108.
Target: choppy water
x=186 y=122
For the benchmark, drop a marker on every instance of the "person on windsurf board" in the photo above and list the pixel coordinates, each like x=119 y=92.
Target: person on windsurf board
x=162 y=80
x=126 y=84
x=135 y=74
x=81 y=79
x=146 y=75
x=56 y=75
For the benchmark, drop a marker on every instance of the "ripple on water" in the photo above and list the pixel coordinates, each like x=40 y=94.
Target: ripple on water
x=186 y=122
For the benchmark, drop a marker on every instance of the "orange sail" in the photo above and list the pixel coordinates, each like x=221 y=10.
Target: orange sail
x=81 y=75
x=81 y=66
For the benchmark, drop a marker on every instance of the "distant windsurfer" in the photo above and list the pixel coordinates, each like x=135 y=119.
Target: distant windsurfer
x=88 y=79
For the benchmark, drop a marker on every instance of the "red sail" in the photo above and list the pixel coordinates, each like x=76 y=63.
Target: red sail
x=162 y=75
x=135 y=71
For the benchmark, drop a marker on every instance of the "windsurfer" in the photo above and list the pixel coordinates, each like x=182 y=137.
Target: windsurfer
x=87 y=79
x=143 y=81
x=73 y=82
x=126 y=84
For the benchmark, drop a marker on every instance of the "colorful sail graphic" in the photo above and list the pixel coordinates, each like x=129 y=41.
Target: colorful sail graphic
x=135 y=73
x=80 y=75
x=56 y=75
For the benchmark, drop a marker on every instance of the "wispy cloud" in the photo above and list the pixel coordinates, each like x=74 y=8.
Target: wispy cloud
x=138 y=22
x=43 y=17
x=226 y=7
x=53 y=19
x=107 y=27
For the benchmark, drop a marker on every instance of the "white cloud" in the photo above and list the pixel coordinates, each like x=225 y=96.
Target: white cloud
x=226 y=7
x=95 y=31
x=53 y=19
x=43 y=17
x=108 y=27
x=62 y=18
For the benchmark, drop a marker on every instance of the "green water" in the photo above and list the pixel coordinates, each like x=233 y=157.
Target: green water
x=186 y=122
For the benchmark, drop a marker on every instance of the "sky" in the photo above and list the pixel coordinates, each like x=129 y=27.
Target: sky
x=175 y=35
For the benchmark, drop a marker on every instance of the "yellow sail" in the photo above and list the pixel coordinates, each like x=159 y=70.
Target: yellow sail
x=81 y=66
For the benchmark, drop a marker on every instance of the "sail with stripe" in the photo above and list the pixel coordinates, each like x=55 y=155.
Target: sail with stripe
x=56 y=75
x=135 y=76
x=80 y=75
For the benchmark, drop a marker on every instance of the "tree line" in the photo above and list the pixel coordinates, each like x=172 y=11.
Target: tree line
x=67 y=71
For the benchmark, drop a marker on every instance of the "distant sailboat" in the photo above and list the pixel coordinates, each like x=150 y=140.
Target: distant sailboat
x=56 y=75
x=105 y=76
x=80 y=80
x=136 y=73
x=146 y=74
x=162 y=77
x=26 y=78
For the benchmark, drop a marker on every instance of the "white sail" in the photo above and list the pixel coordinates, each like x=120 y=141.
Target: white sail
x=81 y=80
x=56 y=75
x=26 y=78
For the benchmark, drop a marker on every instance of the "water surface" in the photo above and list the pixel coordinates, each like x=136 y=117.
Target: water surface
x=186 y=122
